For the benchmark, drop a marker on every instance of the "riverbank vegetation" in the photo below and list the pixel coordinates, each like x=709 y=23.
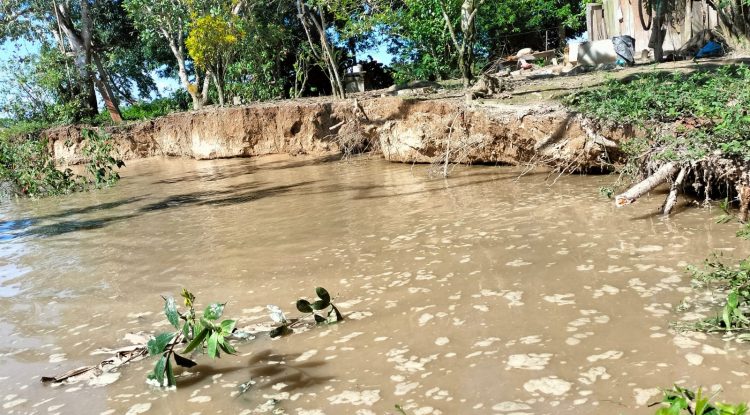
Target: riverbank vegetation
x=678 y=401
x=101 y=63
x=26 y=167
x=692 y=130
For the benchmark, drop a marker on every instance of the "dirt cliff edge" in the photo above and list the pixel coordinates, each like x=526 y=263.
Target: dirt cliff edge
x=403 y=130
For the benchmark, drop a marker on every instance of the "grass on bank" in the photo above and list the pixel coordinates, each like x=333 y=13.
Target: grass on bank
x=705 y=112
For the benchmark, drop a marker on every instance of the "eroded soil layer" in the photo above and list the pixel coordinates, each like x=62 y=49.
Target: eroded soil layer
x=403 y=130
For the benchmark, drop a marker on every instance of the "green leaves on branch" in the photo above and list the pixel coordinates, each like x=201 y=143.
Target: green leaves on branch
x=26 y=161
x=170 y=310
x=330 y=314
x=199 y=333
x=205 y=333
x=98 y=149
x=158 y=344
x=213 y=311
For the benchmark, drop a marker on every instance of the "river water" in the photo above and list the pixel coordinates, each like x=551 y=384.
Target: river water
x=484 y=293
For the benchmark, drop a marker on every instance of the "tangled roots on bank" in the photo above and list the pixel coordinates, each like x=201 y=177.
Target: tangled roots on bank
x=352 y=135
x=711 y=177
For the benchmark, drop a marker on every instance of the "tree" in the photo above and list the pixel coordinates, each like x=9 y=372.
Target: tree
x=345 y=22
x=420 y=42
x=265 y=55
x=436 y=39
x=463 y=41
x=506 y=26
x=80 y=39
x=315 y=23
x=211 y=44
x=94 y=33
x=169 y=20
x=40 y=87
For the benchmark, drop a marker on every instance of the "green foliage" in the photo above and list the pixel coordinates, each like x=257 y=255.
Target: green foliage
x=205 y=333
x=98 y=149
x=322 y=310
x=744 y=232
x=726 y=215
x=259 y=72
x=607 y=191
x=735 y=282
x=423 y=47
x=200 y=333
x=152 y=109
x=57 y=83
x=678 y=401
x=708 y=109
x=25 y=160
x=41 y=88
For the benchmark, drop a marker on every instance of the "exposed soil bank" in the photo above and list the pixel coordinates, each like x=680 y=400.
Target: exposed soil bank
x=404 y=130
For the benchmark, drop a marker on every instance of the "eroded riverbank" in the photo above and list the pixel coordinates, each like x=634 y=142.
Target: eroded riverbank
x=485 y=293
x=404 y=130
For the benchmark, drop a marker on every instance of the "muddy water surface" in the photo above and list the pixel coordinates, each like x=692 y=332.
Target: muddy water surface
x=481 y=294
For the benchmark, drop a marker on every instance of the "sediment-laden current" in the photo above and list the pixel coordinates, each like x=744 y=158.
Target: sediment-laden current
x=486 y=293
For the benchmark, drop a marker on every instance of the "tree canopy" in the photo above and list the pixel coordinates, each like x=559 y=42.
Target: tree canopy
x=93 y=55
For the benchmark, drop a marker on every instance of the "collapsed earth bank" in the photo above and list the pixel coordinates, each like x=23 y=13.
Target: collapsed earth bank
x=402 y=130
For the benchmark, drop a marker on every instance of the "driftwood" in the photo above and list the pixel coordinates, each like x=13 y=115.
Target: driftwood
x=119 y=357
x=124 y=355
x=664 y=173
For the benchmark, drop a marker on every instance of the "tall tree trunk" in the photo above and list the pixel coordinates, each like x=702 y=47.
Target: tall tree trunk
x=466 y=56
x=105 y=90
x=465 y=47
x=326 y=55
x=83 y=48
x=85 y=81
x=197 y=93
x=102 y=80
x=219 y=89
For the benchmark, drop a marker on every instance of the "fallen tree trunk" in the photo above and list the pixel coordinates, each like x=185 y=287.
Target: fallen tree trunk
x=672 y=198
x=660 y=176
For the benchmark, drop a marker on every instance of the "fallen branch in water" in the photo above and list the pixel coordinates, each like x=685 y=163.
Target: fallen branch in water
x=119 y=358
x=199 y=334
x=661 y=175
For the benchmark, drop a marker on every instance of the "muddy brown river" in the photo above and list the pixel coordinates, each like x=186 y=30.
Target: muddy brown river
x=481 y=294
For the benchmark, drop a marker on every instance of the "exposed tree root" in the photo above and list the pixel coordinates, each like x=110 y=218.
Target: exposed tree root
x=672 y=198
x=712 y=177
x=352 y=136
